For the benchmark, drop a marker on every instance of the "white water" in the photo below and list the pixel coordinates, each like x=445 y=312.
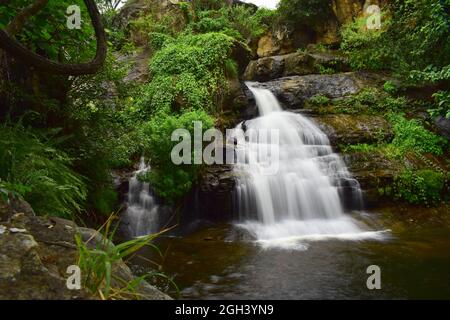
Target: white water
x=301 y=201
x=141 y=216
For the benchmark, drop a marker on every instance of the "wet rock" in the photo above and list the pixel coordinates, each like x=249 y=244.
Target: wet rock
x=344 y=129
x=213 y=197
x=373 y=172
x=443 y=126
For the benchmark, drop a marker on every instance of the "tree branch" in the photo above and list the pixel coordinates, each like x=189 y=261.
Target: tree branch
x=19 y=51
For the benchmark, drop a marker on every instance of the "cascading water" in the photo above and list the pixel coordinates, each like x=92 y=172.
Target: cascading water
x=300 y=201
x=141 y=216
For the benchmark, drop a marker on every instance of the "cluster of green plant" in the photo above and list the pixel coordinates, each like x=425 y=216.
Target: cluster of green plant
x=295 y=13
x=371 y=101
x=239 y=22
x=47 y=32
x=442 y=105
x=419 y=187
x=99 y=261
x=319 y=100
x=32 y=167
x=189 y=72
x=410 y=135
x=169 y=180
x=413 y=41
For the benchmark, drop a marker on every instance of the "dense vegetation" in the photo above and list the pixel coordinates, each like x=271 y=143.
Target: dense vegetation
x=61 y=137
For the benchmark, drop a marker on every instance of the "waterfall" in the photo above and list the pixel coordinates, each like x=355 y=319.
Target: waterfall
x=141 y=216
x=300 y=201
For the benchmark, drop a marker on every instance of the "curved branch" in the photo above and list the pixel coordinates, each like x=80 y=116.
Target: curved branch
x=19 y=51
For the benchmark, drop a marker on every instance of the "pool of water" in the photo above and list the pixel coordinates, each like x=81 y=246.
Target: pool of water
x=220 y=262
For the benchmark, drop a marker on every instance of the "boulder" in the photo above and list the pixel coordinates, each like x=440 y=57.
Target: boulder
x=35 y=253
x=294 y=91
x=270 y=68
x=343 y=129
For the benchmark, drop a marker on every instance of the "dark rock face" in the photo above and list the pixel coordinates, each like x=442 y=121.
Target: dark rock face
x=35 y=253
x=269 y=68
x=443 y=126
x=372 y=172
x=212 y=199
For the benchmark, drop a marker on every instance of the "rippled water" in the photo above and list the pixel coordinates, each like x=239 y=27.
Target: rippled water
x=220 y=263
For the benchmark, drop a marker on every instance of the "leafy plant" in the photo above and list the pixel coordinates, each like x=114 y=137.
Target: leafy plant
x=390 y=87
x=32 y=167
x=442 y=99
x=413 y=42
x=411 y=135
x=169 y=180
x=423 y=186
x=304 y=12
x=98 y=262
x=319 y=100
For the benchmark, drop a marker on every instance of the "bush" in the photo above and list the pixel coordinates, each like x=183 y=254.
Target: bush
x=33 y=168
x=442 y=102
x=410 y=135
x=189 y=73
x=169 y=180
x=413 y=42
x=319 y=100
x=239 y=22
x=304 y=12
x=372 y=101
x=421 y=187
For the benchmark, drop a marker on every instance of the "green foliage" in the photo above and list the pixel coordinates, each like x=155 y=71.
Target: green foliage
x=371 y=101
x=46 y=32
x=442 y=102
x=390 y=87
x=239 y=22
x=32 y=167
x=420 y=187
x=295 y=13
x=157 y=40
x=363 y=46
x=319 y=100
x=189 y=72
x=413 y=42
x=99 y=261
x=169 y=180
x=411 y=135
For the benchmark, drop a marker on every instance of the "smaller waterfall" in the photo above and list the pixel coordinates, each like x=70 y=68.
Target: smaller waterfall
x=141 y=216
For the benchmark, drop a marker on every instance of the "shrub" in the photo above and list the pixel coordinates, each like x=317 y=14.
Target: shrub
x=304 y=12
x=169 y=180
x=424 y=186
x=319 y=100
x=32 y=167
x=410 y=135
x=372 y=101
x=442 y=102
x=413 y=42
